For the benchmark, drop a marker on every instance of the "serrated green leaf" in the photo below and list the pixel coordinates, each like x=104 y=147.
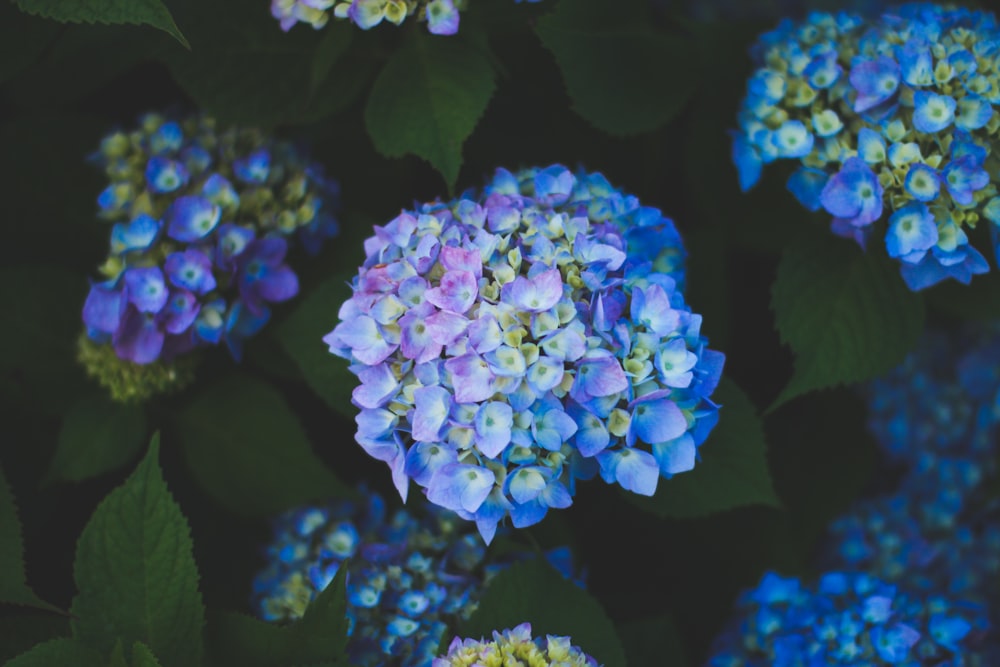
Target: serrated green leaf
x=20 y=632
x=13 y=584
x=244 y=69
x=117 y=658
x=653 y=642
x=318 y=637
x=732 y=471
x=248 y=450
x=97 y=436
x=59 y=653
x=135 y=12
x=142 y=656
x=846 y=313
x=428 y=99
x=623 y=76
x=301 y=337
x=532 y=591
x=135 y=572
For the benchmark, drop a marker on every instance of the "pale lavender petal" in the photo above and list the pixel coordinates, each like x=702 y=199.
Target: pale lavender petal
x=459 y=486
x=494 y=421
x=456 y=292
x=378 y=386
x=431 y=408
x=471 y=378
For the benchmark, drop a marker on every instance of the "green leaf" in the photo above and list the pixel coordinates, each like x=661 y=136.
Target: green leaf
x=732 y=471
x=149 y=12
x=97 y=436
x=142 y=656
x=59 y=653
x=846 y=313
x=623 y=76
x=301 y=337
x=532 y=591
x=248 y=450
x=20 y=632
x=428 y=99
x=13 y=585
x=118 y=655
x=319 y=636
x=135 y=572
x=244 y=69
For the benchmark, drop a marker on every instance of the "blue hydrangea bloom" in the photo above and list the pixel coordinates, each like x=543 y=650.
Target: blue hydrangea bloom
x=411 y=575
x=515 y=647
x=201 y=221
x=849 y=619
x=513 y=342
x=943 y=401
x=888 y=116
x=442 y=16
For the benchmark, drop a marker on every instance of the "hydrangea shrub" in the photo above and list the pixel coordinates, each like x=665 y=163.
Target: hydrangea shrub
x=891 y=118
x=511 y=342
x=202 y=219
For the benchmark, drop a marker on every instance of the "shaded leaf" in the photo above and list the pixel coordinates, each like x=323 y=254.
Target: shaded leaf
x=301 y=337
x=318 y=637
x=97 y=436
x=20 y=632
x=532 y=591
x=847 y=314
x=732 y=471
x=142 y=656
x=428 y=99
x=148 y=12
x=13 y=584
x=623 y=76
x=59 y=653
x=244 y=69
x=135 y=571
x=248 y=450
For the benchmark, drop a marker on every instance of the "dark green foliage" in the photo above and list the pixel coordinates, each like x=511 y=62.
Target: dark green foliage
x=135 y=572
x=13 y=586
x=97 y=436
x=247 y=450
x=149 y=12
x=846 y=314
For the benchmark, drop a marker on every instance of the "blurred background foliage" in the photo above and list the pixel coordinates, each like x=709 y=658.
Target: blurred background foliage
x=642 y=93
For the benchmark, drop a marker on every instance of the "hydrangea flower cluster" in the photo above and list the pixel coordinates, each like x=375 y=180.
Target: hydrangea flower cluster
x=937 y=414
x=893 y=117
x=410 y=576
x=849 y=619
x=514 y=647
x=202 y=218
x=512 y=343
x=442 y=16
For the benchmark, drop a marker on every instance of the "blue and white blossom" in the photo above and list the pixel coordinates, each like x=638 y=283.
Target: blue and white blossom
x=890 y=117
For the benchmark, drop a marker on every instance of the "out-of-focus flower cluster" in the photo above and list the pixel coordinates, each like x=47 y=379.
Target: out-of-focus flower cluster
x=922 y=563
x=849 y=619
x=202 y=220
x=442 y=16
x=938 y=415
x=410 y=575
x=891 y=117
x=512 y=343
x=514 y=647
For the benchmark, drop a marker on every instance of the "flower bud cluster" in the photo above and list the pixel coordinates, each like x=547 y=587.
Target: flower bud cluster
x=511 y=343
x=514 y=647
x=202 y=219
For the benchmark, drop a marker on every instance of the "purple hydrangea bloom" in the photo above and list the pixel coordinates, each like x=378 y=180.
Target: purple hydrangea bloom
x=513 y=342
x=848 y=619
x=411 y=574
x=195 y=258
x=883 y=112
